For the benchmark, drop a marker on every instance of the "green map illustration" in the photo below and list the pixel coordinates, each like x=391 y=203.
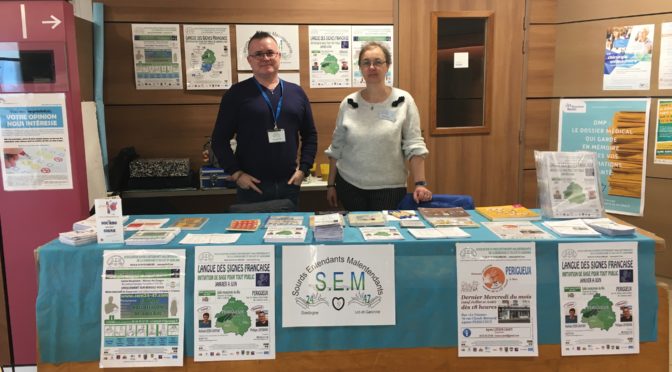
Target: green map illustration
x=598 y=313
x=574 y=193
x=207 y=60
x=330 y=65
x=233 y=318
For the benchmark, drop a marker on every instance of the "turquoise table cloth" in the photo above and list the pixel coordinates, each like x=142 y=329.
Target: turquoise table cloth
x=69 y=296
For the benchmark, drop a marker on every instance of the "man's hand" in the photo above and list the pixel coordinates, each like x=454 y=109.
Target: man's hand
x=246 y=182
x=296 y=178
x=332 y=197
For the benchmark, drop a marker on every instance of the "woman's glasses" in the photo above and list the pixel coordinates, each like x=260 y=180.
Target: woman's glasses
x=269 y=54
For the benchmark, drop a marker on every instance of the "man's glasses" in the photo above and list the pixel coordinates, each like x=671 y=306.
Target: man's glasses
x=269 y=53
x=369 y=63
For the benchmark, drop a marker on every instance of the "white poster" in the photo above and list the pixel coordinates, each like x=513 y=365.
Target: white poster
x=329 y=48
x=34 y=141
x=599 y=298
x=287 y=37
x=207 y=54
x=234 y=303
x=497 y=299
x=627 y=57
x=142 y=312
x=157 y=56
x=362 y=35
x=292 y=77
x=665 y=66
x=338 y=285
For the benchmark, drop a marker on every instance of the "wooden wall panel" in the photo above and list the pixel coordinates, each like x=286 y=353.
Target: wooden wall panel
x=580 y=10
x=251 y=11
x=529 y=189
x=537 y=129
x=542 y=11
x=84 y=34
x=540 y=60
x=467 y=164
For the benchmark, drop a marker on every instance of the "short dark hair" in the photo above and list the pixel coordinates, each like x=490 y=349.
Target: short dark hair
x=208 y=314
x=373 y=45
x=260 y=35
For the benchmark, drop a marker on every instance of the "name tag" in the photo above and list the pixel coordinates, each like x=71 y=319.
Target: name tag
x=276 y=136
x=387 y=115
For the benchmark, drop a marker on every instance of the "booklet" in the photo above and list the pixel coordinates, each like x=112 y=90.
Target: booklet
x=284 y=221
x=381 y=233
x=518 y=230
x=146 y=223
x=452 y=221
x=78 y=238
x=153 y=236
x=571 y=228
x=443 y=212
x=512 y=212
x=197 y=239
x=401 y=215
x=244 y=225
x=412 y=223
x=366 y=219
x=609 y=227
x=285 y=234
x=438 y=233
x=190 y=223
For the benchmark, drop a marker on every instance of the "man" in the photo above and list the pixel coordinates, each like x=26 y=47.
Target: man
x=626 y=316
x=262 y=320
x=268 y=117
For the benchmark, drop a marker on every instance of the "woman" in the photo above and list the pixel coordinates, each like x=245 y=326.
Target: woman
x=377 y=130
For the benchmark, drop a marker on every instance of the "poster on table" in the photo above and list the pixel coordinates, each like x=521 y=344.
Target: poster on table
x=234 y=303
x=287 y=37
x=207 y=53
x=599 y=298
x=627 y=57
x=157 y=56
x=665 y=65
x=338 y=285
x=330 y=58
x=616 y=130
x=663 y=150
x=34 y=141
x=292 y=77
x=497 y=299
x=361 y=35
x=142 y=312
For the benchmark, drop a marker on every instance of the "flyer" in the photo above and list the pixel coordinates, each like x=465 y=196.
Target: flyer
x=338 y=285
x=497 y=299
x=627 y=57
x=142 y=312
x=663 y=151
x=109 y=220
x=157 y=56
x=207 y=54
x=234 y=303
x=617 y=131
x=34 y=141
x=362 y=35
x=665 y=65
x=599 y=298
x=287 y=37
x=329 y=48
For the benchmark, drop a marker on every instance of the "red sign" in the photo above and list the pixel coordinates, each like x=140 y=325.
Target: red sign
x=31 y=21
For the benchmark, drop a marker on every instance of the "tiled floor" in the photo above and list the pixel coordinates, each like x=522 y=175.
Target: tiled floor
x=668 y=281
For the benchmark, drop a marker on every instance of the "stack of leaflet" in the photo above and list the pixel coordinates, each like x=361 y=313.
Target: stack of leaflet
x=438 y=233
x=609 y=227
x=153 y=236
x=284 y=221
x=90 y=223
x=78 y=238
x=571 y=228
x=285 y=234
x=366 y=219
x=328 y=228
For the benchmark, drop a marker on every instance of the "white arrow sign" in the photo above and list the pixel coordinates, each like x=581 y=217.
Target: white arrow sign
x=55 y=22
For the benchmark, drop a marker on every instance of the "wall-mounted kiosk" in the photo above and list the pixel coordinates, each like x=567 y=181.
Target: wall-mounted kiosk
x=43 y=186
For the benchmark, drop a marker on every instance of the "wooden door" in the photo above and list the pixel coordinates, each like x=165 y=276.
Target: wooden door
x=485 y=166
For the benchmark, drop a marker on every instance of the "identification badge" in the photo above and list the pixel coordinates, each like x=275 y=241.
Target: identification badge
x=276 y=136
x=387 y=115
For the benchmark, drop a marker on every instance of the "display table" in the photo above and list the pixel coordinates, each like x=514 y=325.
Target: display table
x=69 y=301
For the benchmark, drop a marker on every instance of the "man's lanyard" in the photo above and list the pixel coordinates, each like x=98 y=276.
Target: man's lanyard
x=276 y=115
